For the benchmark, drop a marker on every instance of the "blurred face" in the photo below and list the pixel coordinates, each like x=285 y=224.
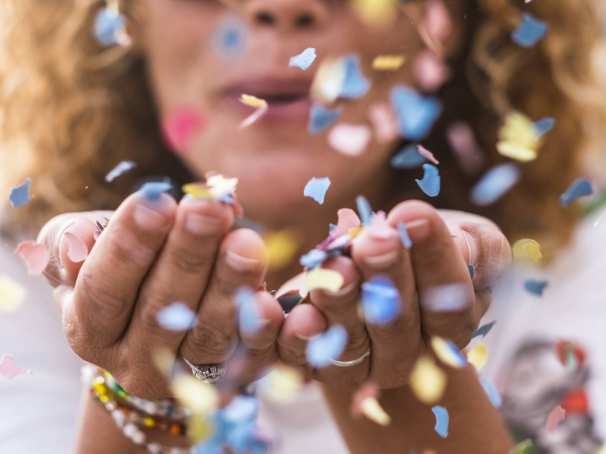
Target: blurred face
x=275 y=156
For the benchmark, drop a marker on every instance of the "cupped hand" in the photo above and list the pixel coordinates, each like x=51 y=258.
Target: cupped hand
x=450 y=250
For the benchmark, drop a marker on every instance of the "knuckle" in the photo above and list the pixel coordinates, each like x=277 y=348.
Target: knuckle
x=96 y=295
x=208 y=340
x=128 y=247
x=292 y=355
x=189 y=261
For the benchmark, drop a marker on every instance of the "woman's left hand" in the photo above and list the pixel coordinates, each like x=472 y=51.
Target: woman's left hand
x=444 y=245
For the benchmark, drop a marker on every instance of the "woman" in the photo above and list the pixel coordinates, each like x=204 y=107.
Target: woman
x=94 y=107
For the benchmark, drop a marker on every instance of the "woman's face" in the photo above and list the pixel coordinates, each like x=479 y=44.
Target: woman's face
x=276 y=156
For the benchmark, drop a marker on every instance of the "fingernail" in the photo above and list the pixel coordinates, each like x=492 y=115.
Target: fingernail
x=344 y=290
x=418 y=230
x=302 y=337
x=240 y=263
x=382 y=260
x=149 y=216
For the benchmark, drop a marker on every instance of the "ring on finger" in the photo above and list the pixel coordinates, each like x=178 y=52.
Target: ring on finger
x=208 y=373
x=353 y=362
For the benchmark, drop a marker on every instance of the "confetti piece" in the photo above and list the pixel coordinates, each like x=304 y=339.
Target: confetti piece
x=494 y=184
x=259 y=104
x=371 y=408
x=430 y=71
x=529 y=32
x=12 y=294
x=351 y=140
x=427 y=380
x=523 y=447
x=195 y=395
x=119 y=170
x=249 y=317
x=484 y=329
x=442 y=420
x=313 y=258
x=281 y=247
x=448 y=352
x=77 y=250
x=493 y=394
x=229 y=39
x=323 y=279
x=430 y=184
x=427 y=154
x=328 y=81
x=364 y=209
x=321 y=118
x=388 y=62
x=478 y=355
x=34 y=255
x=462 y=141
x=303 y=60
x=355 y=85
x=544 y=125
x=437 y=21
x=407 y=157
x=281 y=384
x=316 y=189
x=323 y=348
x=416 y=114
x=376 y=13
x=180 y=127
x=9 y=368
x=528 y=250
x=154 y=189
x=555 y=417
x=176 y=317
x=580 y=188
x=384 y=122
x=221 y=187
x=404 y=236
x=110 y=27
x=447 y=298
x=380 y=300
x=19 y=195
x=518 y=138
x=535 y=286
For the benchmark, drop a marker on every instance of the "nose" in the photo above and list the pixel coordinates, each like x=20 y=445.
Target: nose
x=287 y=15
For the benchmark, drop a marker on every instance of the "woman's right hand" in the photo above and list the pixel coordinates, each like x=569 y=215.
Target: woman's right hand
x=150 y=255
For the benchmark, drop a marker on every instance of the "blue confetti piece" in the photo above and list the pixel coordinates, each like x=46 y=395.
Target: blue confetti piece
x=120 y=169
x=456 y=354
x=442 y=420
x=230 y=38
x=316 y=189
x=380 y=300
x=580 y=188
x=355 y=85
x=494 y=184
x=321 y=118
x=535 y=286
x=493 y=395
x=176 y=317
x=404 y=237
x=407 y=158
x=544 y=125
x=303 y=60
x=327 y=346
x=530 y=31
x=241 y=409
x=19 y=195
x=416 y=114
x=154 y=189
x=430 y=184
x=472 y=271
x=484 y=329
x=313 y=258
x=249 y=318
x=108 y=26
x=364 y=209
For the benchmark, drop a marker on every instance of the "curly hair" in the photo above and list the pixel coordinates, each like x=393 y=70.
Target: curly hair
x=71 y=109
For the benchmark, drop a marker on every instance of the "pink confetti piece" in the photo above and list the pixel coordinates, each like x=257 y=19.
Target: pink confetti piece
x=430 y=71
x=351 y=140
x=254 y=117
x=34 y=255
x=9 y=369
x=77 y=251
x=384 y=122
x=437 y=21
x=555 y=417
x=463 y=143
x=180 y=127
x=427 y=154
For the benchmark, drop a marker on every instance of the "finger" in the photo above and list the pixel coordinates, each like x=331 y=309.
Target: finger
x=109 y=280
x=442 y=278
x=395 y=345
x=181 y=272
x=241 y=263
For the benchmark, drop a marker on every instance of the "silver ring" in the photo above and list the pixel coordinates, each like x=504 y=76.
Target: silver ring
x=353 y=362
x=208 y=373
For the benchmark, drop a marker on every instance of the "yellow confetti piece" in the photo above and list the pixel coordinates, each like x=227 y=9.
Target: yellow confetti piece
x=281 y=247
x=12 y=294
x=371 y=408
x=375 y=12
x=282 y=384
x=478 y=355
x=427 y=380
x=528 y=250
x=388 y=62
x=445 y=353
x=197 y=190
x=523 y=447
x=322 y=279
x=517 y=152
x=253 y=101
x=199 y=397
x=199 y=428
x=518 y=138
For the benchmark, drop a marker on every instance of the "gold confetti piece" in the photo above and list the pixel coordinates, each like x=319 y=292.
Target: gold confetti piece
x=197 y=190
x=199 y=397
x=518 y=138
x=12 y=294
x=281 y=247
x=528 y=250
x=282 y=384
x=375 y=12
x=446 y=353
x=427 y=380
x=322 y=279
x=517 y=152
x=478 y=355
x=253 y=101
x=388 y=62
x=371 y=408
x=199 y=428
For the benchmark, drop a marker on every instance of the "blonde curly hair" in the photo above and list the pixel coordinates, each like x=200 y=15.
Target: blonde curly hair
x=71 y=109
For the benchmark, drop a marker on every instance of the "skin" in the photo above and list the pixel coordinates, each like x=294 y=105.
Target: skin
x=154 y=253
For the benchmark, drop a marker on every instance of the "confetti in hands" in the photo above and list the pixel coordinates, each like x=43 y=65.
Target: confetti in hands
x=323 y=348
